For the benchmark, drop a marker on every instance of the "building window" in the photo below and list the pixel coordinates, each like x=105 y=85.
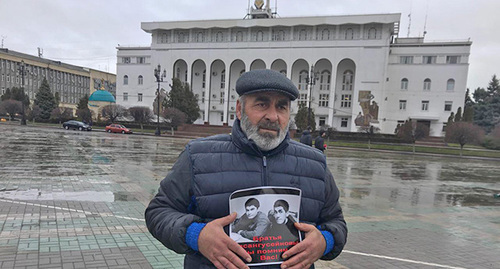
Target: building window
x=141 y=60
x=8 y=78
x=444 y=126
x=324 y=81
x=427 y=84
x=223 y=79
x=222 y=116
x=260 y=36
x=325 y=34
x=125 y=80
x=219 y=37
x=180 y=38
x=200 y=37
x=139 y=97
x=404 y=84
x=323 y=100
x=450 y=85
x=222 y=95
x=231 y=116
x=349 y=34
x=302 y=101
x=303 y=80
x=448 y=105
x=322 y=121
x=125 y=96
x=140 y=80
x=345 y=100
x=402 y=104
x=239 y=36
x=343 y=122
x=178 y=73
x=429 y=60
x=372 y=33
x=125 y=60
x=347 y=80
x=303 y=34
x=452 y=59
x=405 y=59
x=204 y=79
x=425 y=105
x=203 y=97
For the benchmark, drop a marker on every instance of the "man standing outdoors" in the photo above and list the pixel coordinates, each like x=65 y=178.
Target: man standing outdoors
x=319 y=142
x=191 y=210
x=253 y=222
x=306 y=137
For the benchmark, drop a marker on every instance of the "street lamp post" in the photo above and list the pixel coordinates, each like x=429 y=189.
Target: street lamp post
x=22 y=72
x=159 y=78
x=311 y=81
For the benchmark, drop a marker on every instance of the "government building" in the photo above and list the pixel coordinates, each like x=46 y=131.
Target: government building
x=353 y=71
x=71 y=82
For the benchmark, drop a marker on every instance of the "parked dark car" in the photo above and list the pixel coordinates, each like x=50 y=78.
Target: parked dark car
x=76 y=125
x=117 y=128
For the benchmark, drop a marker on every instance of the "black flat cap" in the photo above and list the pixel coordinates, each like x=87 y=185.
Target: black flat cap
x=266 y=80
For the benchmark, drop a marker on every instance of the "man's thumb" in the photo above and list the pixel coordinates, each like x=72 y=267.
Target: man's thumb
x=228 y=219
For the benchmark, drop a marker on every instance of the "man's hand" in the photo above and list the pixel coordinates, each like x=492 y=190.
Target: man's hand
x=305 y=253
x=219 y=248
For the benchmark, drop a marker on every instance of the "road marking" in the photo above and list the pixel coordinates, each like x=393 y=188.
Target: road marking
x=71 y=209
x=142 y=220
x=402 y=260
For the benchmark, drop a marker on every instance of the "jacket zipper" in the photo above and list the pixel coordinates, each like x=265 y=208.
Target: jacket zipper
x=264 y=164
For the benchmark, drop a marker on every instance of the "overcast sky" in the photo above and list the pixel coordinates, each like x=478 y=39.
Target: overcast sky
x=87 y=32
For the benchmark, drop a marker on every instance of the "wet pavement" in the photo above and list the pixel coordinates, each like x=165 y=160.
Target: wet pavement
x=72 y=199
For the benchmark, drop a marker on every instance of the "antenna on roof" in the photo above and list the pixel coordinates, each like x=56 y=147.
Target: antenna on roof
x=425 y=23
x=40 y=52
x=3 y=38
x=248 y=10
x=409 y=20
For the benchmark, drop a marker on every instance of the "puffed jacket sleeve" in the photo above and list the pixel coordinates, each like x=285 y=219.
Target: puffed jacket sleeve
x=167 y=216
x=332 y=219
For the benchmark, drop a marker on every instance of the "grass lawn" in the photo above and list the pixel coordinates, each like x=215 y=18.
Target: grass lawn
x=451 y=150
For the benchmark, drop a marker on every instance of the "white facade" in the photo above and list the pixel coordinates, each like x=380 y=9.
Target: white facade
x=351 y=56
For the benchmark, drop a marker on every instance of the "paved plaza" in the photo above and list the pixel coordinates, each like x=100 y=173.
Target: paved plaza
x=71 y=199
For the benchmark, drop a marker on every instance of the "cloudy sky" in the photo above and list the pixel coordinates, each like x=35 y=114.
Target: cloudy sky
x=87 y=32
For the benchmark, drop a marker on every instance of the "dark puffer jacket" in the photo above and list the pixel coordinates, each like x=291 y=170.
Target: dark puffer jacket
x=197 y=188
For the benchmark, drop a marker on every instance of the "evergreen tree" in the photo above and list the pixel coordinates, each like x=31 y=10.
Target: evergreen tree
x=83 y=102
x=468 y=114
x=6 y=95
x=451 y=118
x=45 y=100
x=468 y=99
x=57 y=99
x=487 y=107
x=458 y=116
x=182 y=98
x=301 y=119
x=493 y=86
x=480 y=95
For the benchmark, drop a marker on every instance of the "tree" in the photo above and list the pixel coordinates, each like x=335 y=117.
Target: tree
x=83 y=102
x=468 y=99
x=487 y=107
x=493 y=86
x=61 y=114
x=412 y=131
x=45 y=100
x=57 y=98
x=113 y=111
x=480 y=95
x=173 y=117
x=10 y=107
x=6 y=95
x=301 y=118
x=84 y=114
x=451 y=119
x=141 y=114
x=463 y=133
x=468 y=114
x=182 y=98
x=458 y=116
x=34 y=113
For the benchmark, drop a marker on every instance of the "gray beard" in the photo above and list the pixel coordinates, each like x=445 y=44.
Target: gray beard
x=266 y=141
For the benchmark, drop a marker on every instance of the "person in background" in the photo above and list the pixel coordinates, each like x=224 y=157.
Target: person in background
x=306 y=137
x=319 y=142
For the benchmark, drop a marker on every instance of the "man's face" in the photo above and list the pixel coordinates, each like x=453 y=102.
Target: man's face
x=251 y=211
x=265 y=118
x=280 y=215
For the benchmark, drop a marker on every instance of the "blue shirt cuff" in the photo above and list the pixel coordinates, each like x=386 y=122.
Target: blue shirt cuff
x=192 y=234
x=330 y=242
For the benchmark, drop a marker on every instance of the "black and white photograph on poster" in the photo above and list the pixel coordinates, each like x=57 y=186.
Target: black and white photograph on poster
x=264 y=224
